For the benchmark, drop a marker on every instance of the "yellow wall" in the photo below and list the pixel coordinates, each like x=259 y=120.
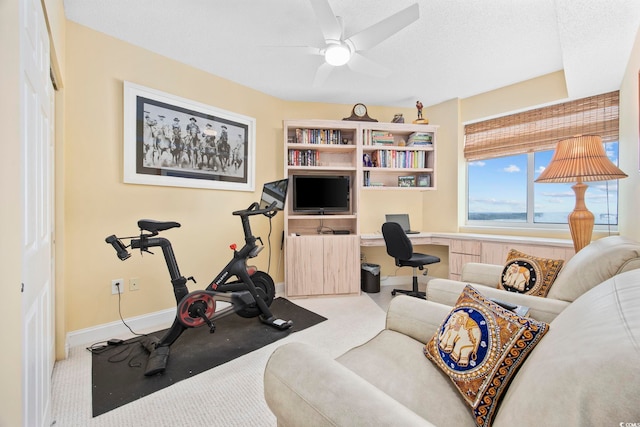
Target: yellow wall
x=98 y=203
x=629 y=195
x=10 y=218
x=92 y=201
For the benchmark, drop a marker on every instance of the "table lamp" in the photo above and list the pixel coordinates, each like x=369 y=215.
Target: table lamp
x=578 y=159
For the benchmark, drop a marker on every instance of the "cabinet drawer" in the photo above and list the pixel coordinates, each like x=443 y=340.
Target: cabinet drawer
x=472 y=247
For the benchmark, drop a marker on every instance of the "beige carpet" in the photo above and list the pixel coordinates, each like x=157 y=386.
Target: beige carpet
x=228 y=395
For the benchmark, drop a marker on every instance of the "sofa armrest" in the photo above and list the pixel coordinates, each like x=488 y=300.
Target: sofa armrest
x=482 y=274
x=415 y=317
x=445 y=291
x=305 y=387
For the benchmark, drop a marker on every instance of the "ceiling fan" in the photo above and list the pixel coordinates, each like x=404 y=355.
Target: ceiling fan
x=339 y=50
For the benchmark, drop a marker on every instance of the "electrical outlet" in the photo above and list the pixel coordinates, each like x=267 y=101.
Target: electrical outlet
x=117 y=286
x=134 y=284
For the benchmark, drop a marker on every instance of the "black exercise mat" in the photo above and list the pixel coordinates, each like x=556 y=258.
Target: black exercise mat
x=118 y=371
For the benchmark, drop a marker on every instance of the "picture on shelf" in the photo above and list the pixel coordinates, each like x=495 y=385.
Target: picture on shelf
x=407 y=181
x=424 y=180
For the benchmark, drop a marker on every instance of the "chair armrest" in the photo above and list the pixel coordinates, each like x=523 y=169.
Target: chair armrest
x=482 y=274
x=305 y=387
x=445 y=291
x=415 y=317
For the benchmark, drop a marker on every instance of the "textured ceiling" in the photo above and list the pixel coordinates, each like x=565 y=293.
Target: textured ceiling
x=457 y=48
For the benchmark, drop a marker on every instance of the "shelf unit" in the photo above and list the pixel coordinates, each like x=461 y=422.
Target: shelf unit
x=317 y=261
x=399 y=154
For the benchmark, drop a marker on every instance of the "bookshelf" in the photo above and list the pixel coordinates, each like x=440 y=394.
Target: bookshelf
x=376 y=157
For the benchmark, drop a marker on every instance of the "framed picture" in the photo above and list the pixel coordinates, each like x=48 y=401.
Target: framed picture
x=424 y=180
x=407 y=181
x=176 y=142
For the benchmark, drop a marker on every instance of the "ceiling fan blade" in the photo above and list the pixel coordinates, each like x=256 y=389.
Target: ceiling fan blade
x=364 y=65
x=384 y=29
x=322 y=74
x=308 y=50
x=329 y=23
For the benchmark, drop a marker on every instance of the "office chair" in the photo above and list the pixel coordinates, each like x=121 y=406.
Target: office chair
x=399 y=247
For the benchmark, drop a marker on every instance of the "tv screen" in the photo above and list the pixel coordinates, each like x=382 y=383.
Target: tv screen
x=275 y=191
x=320 y=193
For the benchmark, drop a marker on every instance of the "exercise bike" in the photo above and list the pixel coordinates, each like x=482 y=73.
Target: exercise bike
x=249 y=296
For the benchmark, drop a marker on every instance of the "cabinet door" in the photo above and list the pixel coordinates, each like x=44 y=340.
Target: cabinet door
x=341 y=264
x=305 y=265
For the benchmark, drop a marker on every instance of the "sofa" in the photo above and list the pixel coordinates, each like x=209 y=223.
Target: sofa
x=583 y=372
x=595 y=263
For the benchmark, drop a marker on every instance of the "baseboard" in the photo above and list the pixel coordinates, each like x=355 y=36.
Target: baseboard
x=145 y=323
x=141 y=324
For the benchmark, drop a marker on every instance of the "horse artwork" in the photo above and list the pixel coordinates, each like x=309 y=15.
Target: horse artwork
x=460 y=337
x=178 y=142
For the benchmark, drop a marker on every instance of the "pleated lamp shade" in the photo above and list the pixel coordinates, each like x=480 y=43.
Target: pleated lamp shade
x=580 y=158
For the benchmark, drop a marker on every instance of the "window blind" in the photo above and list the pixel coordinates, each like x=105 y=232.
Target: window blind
x=542 y=128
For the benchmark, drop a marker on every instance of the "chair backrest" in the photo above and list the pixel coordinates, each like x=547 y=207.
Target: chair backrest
x=398 y=244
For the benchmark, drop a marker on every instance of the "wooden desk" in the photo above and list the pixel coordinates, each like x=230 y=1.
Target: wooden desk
x=485 y=248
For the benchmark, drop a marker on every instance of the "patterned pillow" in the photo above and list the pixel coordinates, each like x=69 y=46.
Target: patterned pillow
x=528 y=274
x=480 y=346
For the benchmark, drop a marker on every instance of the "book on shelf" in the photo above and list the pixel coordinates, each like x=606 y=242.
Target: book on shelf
x=410 y=159
x=303 y=158
x=420 y=138
x=381 y=138
x=318 y=136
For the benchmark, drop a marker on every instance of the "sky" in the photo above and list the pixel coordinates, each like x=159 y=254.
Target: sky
x=499 y=185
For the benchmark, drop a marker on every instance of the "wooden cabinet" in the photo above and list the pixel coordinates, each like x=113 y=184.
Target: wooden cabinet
x=460 y=253
x=374 y=156
x=322 y=265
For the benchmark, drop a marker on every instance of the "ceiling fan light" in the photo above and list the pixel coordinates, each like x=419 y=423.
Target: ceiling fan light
x=337 y=55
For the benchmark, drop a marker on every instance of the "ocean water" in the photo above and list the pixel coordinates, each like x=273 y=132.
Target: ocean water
x=540 y=218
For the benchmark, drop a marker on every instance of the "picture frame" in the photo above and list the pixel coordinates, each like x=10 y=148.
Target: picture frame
x=177 y=142
x=424 y=180
x=407 y=181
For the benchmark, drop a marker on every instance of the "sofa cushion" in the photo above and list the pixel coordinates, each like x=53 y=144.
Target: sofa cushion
x=480 y=346
x=593 y=264
x=393 y=363
x=585 y=371
x=528 y=274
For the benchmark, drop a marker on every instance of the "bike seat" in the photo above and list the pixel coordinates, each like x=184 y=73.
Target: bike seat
x=154 y=226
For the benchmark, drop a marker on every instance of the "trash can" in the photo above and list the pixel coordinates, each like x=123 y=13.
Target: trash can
x=370 y=278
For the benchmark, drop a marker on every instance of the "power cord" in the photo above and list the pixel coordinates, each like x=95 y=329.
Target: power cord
x=269 y=245
x=120 y=313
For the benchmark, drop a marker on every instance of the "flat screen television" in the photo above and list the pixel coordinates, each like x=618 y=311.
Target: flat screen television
x=275 y=191
x=321 y=193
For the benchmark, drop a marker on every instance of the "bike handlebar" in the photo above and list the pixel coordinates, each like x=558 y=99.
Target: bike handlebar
x=269 y=211
x=121 y=250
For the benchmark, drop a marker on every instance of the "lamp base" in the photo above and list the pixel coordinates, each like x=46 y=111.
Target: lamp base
x=580 y=220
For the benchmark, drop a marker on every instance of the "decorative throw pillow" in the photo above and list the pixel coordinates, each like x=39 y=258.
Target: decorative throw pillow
x=480 y=346
x=528 y=274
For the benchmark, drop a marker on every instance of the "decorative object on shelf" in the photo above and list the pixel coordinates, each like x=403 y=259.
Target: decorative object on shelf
x=397 y=118
x=407 y=181
x=420 y=120
x=366 y=160
x=424 y=180
x=359 y=113
x=578 y=159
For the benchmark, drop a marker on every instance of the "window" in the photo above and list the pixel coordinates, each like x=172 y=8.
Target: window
x=499 y=190
x=506 y=155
